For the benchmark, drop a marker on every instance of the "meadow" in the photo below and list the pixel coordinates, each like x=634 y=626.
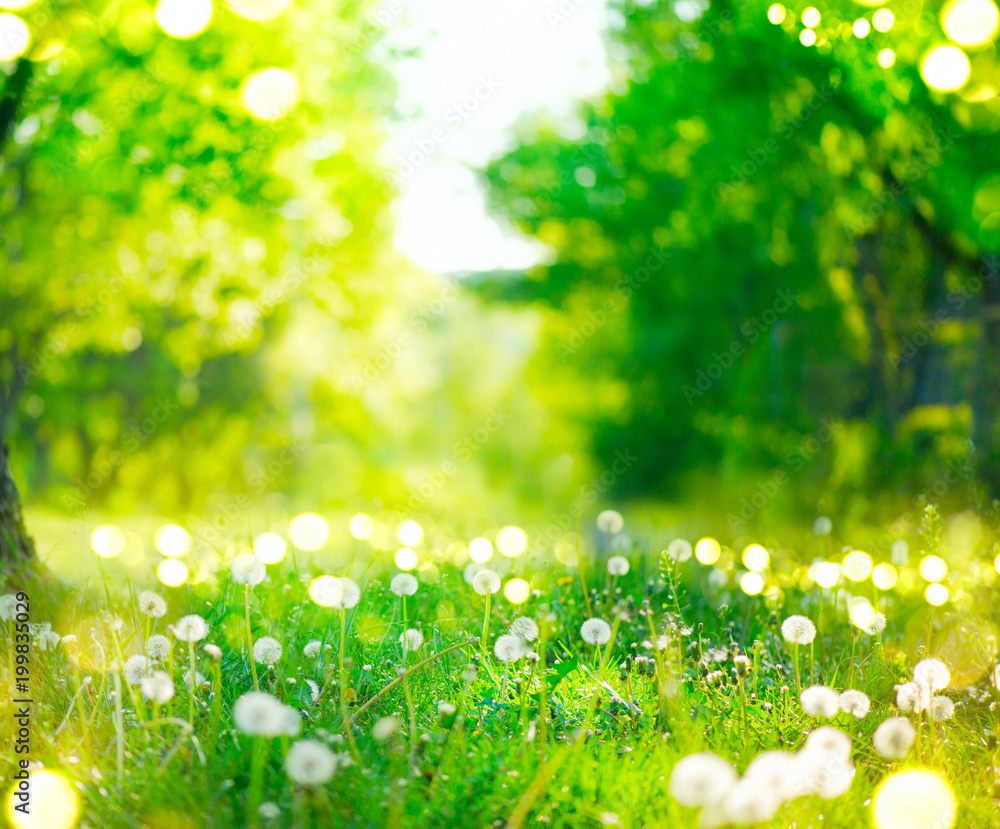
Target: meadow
x=482 y=684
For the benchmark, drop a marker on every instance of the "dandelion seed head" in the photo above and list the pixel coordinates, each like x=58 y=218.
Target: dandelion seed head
x=269 y=811
x=942 y=707
x=314 y=648
x=248 y=569
x=446 y=709
x=798 y=630
x=352 y=594
x=199 y=679
x=8 y=607
x=152 y=604
x=595 y=632
x=525 y=627
x=912 y=697
x=135 y=669
x=403 y=584
x=855 y=703
x=894 y=738
x=747 y=802
x=876 y=624
x=267 y=650
x=486 y=582
x=158 y=687
x=214 y=652
x=932 y=674
x=411 y=639
x=190 y=629
x=384 y=728
x=618 y=565
x=820 y=701
x=258 y=714
x=310 y=763
x=158 y=646
x=701 y=780
x=610 y=521
x=509 y=648
x=829 y=741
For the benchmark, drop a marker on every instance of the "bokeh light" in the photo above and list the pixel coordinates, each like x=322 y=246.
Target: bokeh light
x=107 y=541
x=270 y=548
x=707 y=550
x=410 y=533
x=326 y=591
x=826 y=574
x=996 y=564
x=807 y=37
x=405 y=558
x=936 y=594
x=309 y=531
x=517 y=591
x=886 y=58
x=258 y=11
x=362 y=526
x=55 y=803
x=172 y=572
x=270 y=94
x=811 y=17
x=861 y=27
x=679 y=549
x=914 y=799
x=751 y=583
x=17 y=5
x=480 y=550
x=971 y=23
x=14 y=37
x=512 y=541
x=172 y=540
x=755 y=557
x=857 y=565
x=776 y=13
x=933 y=568
x=862 y=614
x=945 y=68
x=883 y=20
x=183 y=19
x=885 y=576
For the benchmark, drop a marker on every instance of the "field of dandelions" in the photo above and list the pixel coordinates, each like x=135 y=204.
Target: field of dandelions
x=491 y=684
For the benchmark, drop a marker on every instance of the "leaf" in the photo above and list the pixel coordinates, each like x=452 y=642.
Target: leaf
x=561 y=670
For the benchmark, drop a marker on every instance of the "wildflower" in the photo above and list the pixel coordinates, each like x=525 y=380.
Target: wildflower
x=932 y=674
x=152 y=604
x=610 y=521
x=469 y=674
x=158 y=687
x=191 y=629
x=48 y=639
x=827 y=775
x=403 y=584
x=214 y=652
x=942 y=707
x=411 y=639
x=509 y=648
x=855 y=703
x=894 y=737
x=310 y=763
x=525 y=627
x=269 y=811
x=135 y=669
x=747 y=802
x=820 y=701
x=822 y=525
x=157 y=646
x=260 y=715
x=798 y=630
x=8 y=607
x=829 y=741
x=384 y=728
x=618 y=565
x=445 y=709
x=486 y=582
x=267 y=650
x=293 y=721
x=248 y=569
x=313 y=690
x=912 y=697
x=777 y=771
x=595 y=631
x=199 y=679
x=743 y=661
x=876 y=625
x=702 y=779
x=314 y=648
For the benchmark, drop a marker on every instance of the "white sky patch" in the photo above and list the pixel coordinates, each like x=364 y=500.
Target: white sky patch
x=480 y=66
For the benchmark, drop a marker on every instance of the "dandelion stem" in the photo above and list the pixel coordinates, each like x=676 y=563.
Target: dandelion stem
x=253 y=666
x=610 y=647
x=344 y=718
x=486 y=623
x=119 y=728
x=193 y=683
x=798 y=676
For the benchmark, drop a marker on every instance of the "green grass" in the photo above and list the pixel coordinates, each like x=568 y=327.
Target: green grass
x=598 y=760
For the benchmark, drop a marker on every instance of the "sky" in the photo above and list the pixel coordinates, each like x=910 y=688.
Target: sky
x=479 y=67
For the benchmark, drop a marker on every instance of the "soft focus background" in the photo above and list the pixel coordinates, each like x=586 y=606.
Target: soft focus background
x=480 y=263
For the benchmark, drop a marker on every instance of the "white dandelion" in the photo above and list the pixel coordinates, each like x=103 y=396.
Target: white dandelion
x=158 y=646
x=351 y=595
x=248 y=569
x=384 y=728
x=747 y=803
x=403 y=584
x=776 y=771
x=310 y=763
x=618 y=565
x=214 y=652
x=610 y=521
x=855 y=703
x=942 y=707
x=152 y=604
x=820 y=701
x=701 y=780
x=269 y=811
x=995 y=678
x=314 y=648
x=595 y=632
x=267 y=650
x=876 y=625
x=8 y=607
x=258 y=714
x=798 y=630
x=486 y=582
x=509 y=648
x=158 y=687
x=135 y=669
x=191 y=629
x=932 y=674
x=199 y=679
x=912 y=697
x=828 y=741
x=446 y=709
x=525 y=627
x=411 y=639
x=894 y=738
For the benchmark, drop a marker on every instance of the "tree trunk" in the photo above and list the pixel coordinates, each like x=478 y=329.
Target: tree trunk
x=16 y=546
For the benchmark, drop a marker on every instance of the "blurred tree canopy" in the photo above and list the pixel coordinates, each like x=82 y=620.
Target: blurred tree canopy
x=774 y=246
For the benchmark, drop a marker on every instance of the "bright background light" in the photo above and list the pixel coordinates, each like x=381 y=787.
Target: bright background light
x=933 y=568
x=410 y=533
x=517 y=591
x=270 y=94
x=857 y=565
x=512 y=541
x=751 y=583
x=184 y=18
x=480 y=550
x=172 y=540
x=258 y=10
x=270 y=548
x=172 y=572
x=14 y=37
x=405 y=558
x=326 y=591
x=945 y=68
x=756 y=557
x=707 y=551
x=107 y=541
x=885 y=576
x=826 y=574
x=971 y=23
x=362 y=526
x=936 y=594
x=54 y=803
x=914 y=798
x=309 y=531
